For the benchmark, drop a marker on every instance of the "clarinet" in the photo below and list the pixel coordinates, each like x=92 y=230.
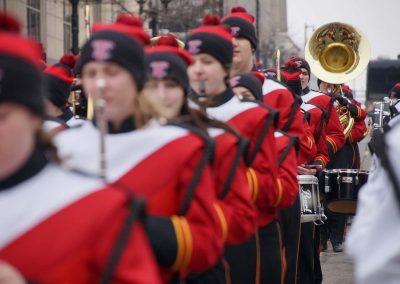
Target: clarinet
x=101 y=121
x=202 y=97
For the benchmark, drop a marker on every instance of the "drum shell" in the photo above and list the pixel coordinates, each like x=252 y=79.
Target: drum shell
x=341 y=190
x=309 y=198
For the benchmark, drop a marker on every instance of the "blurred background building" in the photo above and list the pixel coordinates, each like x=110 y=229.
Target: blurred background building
x=51 y=22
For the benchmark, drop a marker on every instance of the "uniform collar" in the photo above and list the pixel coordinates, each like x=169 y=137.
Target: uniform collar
x=128 y=125
x=306 y=90
x=222 y=98
x=34 y=165
x=214 y=101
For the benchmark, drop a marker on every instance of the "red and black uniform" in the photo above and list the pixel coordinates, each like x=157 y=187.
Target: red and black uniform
x=235 y=207
x=254 y=123
x=160 y=162
x=334 y=133
x=66 y=232
x=233 y=190
x=270 y=237
x=287 y=146
x=315 y=117
x=279 y=97
x=349 y=157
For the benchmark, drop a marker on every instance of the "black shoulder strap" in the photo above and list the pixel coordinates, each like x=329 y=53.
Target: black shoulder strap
x=272 y=112
x=261 y=136
x=328 y=114
x=56 y=119
x=205 y=159
x=381 y=152
x=241 y=149
x=293 y=142
x=306 y=117
x=136 y=211
x=291 y=116
x=321 y=123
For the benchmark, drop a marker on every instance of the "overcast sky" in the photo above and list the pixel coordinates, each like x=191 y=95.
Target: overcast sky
x=378 y=20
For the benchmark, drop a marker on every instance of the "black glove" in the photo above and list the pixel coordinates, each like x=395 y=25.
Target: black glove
x=341 y=100
x=353 y=110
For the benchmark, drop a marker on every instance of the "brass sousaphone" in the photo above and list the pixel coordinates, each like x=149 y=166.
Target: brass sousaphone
x=338 y=53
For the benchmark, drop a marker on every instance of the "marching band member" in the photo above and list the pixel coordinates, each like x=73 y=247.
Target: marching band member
x=309 y=238
x=334 y=133
x=212 y=50
x=291 y=217
x=377 y=218
x=165 y=163
x=56 y=226
x=348 y=157
x=249 y=86
x=315 y=117
x=58 y=79
x=276 y=95
x=167 y=90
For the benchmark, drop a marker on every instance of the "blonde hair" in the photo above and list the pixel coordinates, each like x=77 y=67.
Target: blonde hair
x=144 y=111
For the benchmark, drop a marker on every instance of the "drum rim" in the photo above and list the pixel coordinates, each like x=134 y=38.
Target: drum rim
x=351 y=171
x=342 y=171
x=307 y=178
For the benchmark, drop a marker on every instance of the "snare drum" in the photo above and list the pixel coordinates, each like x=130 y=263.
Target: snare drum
x=341 y=189
x=310 y=205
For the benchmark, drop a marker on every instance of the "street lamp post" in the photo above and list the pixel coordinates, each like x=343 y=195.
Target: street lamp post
x=153 y=13
x=141 y=4
x=306 y=27
x=75 y=26
x=165 y=3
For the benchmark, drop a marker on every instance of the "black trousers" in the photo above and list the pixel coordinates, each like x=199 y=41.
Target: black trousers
x=317 y=263
x=343 y=159
x=270 y=254
x=289 y=219
x=333 y=228
x=305 y=273
x=243 y=261
x=346 y=158
x=216 y=275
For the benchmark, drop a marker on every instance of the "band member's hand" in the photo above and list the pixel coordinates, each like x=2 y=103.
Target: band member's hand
x=353 y=110
x=9 y=275
x=341 y=100
x=304 y=171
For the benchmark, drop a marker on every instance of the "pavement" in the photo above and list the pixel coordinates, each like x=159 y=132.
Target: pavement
x=337 y=268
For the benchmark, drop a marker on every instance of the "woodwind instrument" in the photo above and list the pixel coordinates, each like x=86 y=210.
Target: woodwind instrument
x=101 y=122
x=202 y=97
x=278 y=65
x=74 y=99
